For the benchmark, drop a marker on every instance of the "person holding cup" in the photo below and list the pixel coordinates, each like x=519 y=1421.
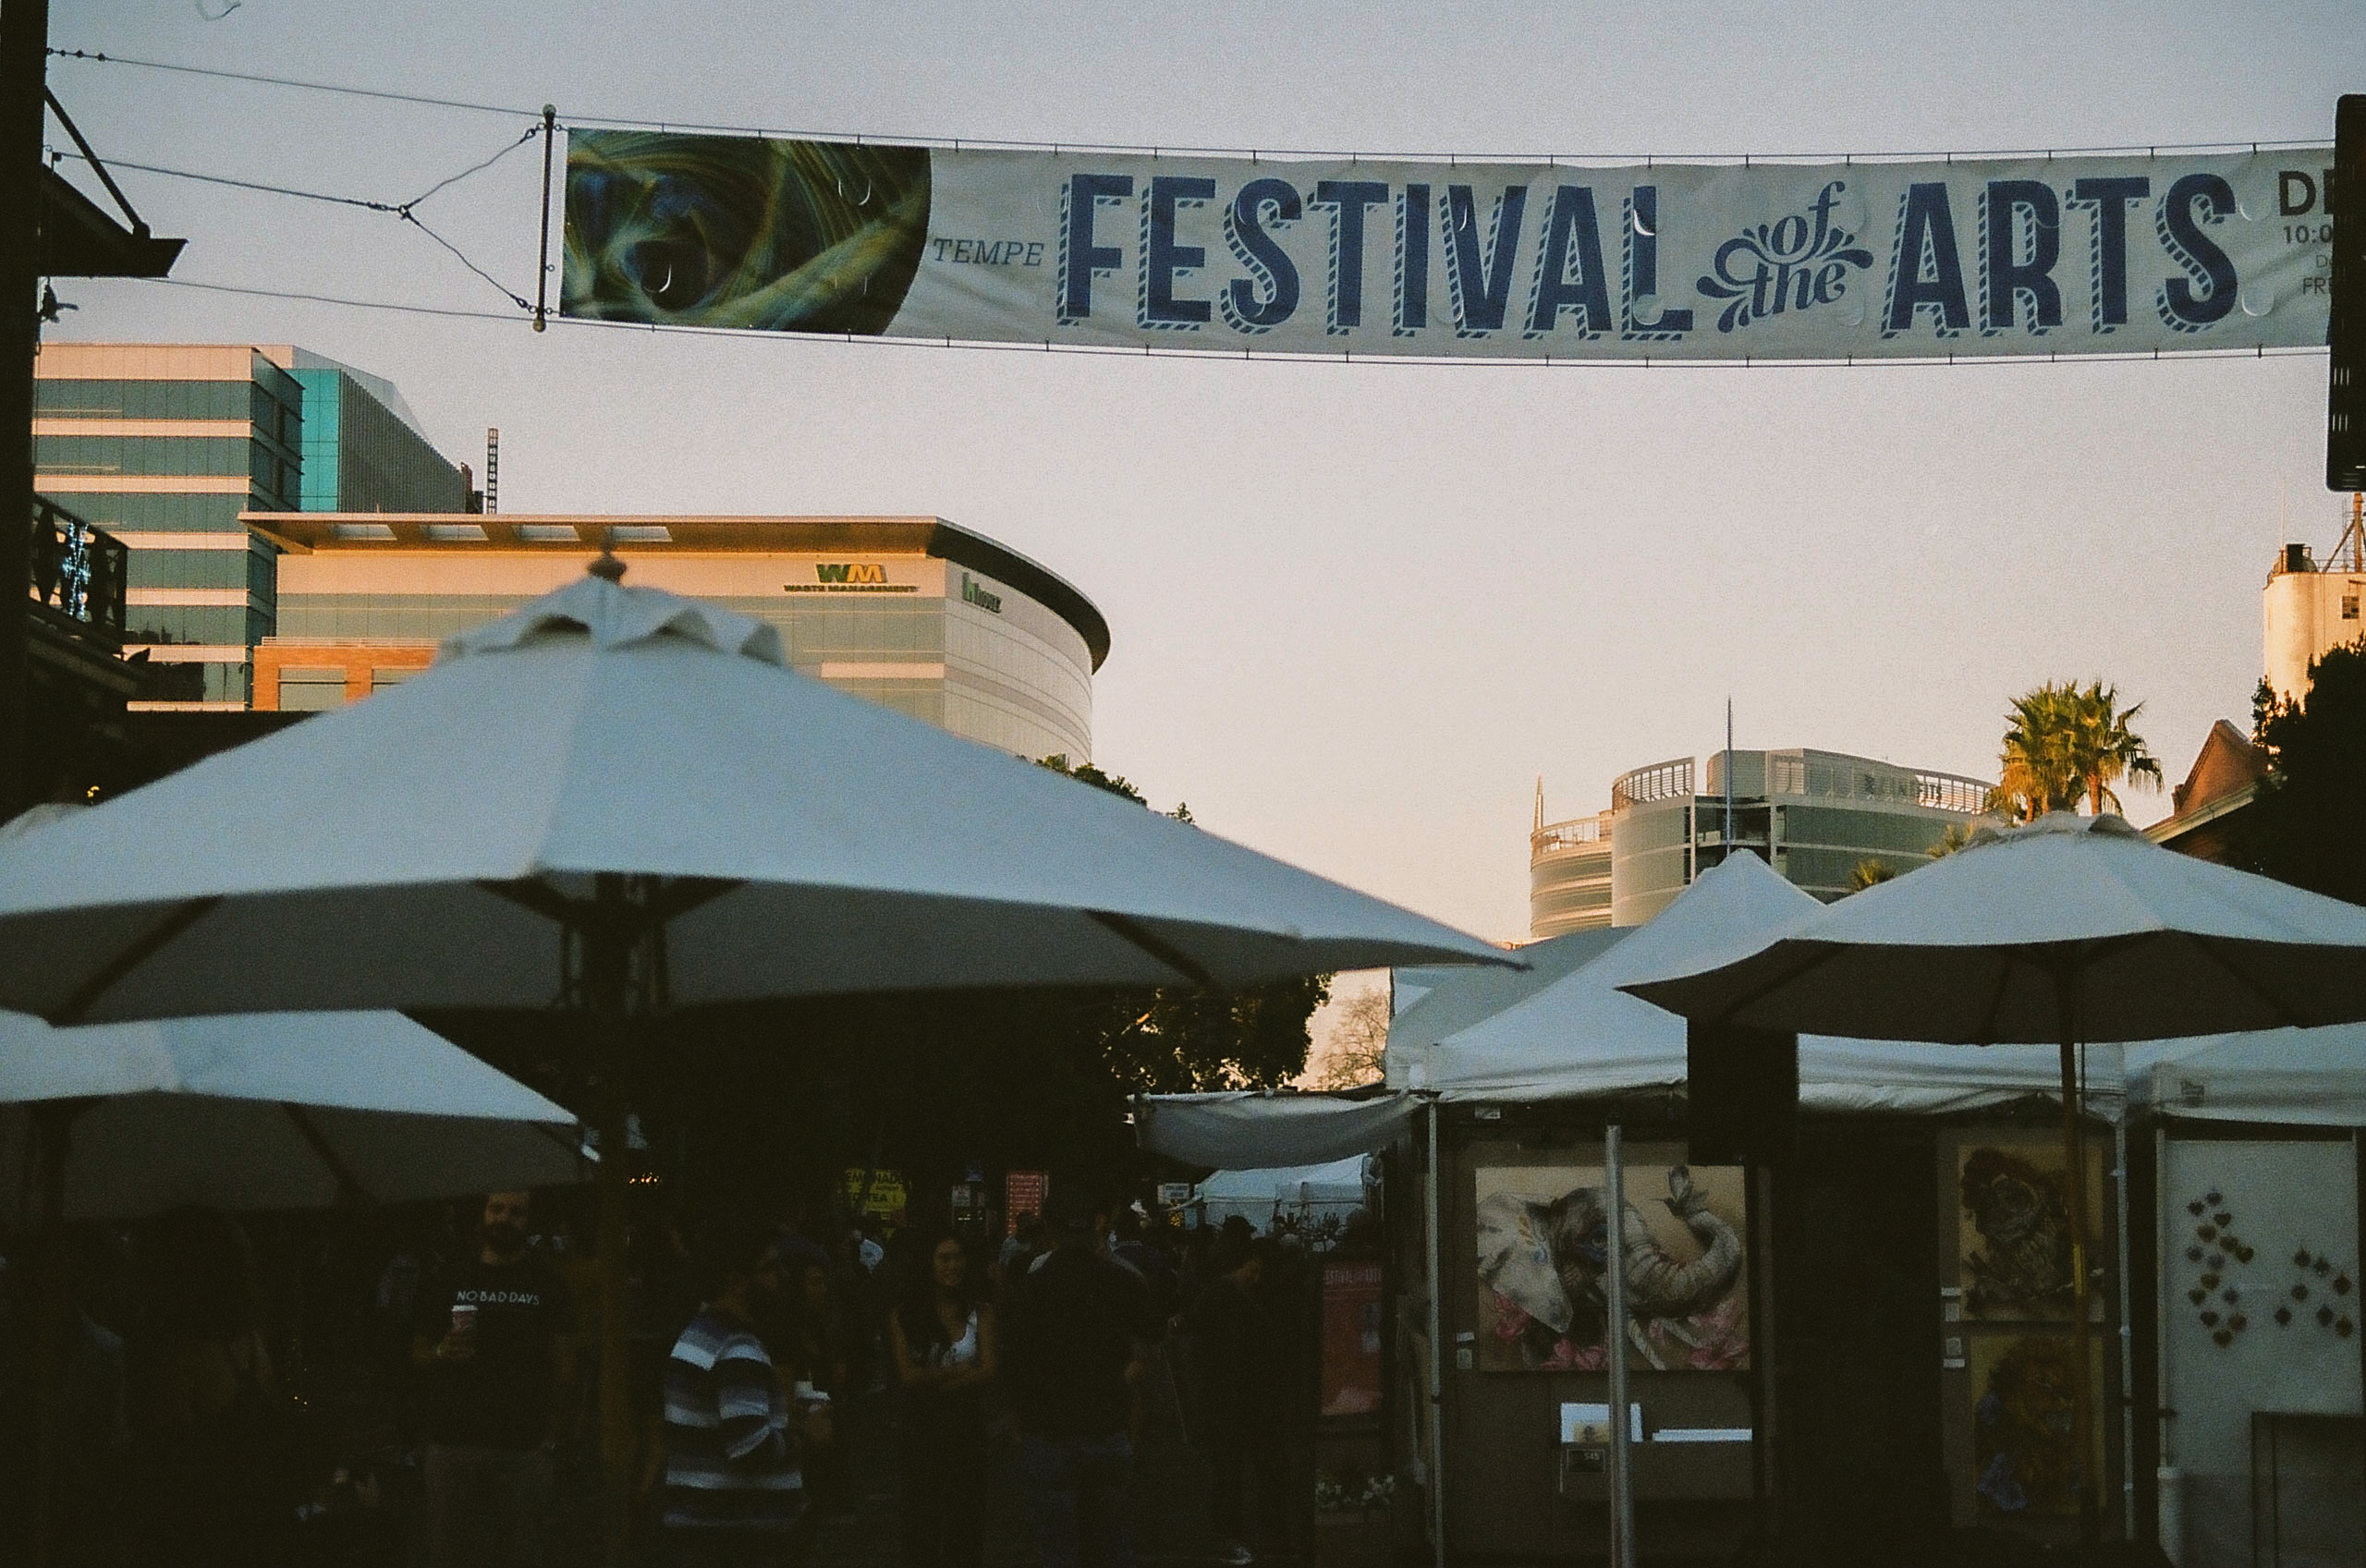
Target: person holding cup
x=493 y=1350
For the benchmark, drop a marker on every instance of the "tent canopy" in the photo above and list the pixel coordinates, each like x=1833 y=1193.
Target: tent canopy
x=1265 y=1133
x=1490 y=1035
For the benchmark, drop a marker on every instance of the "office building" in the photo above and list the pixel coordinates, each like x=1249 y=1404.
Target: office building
x=914 y=613
x=1813 y=816
x=165 y=445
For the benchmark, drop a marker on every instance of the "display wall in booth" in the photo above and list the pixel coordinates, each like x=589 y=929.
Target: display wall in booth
x=2256 y=1324
x=1542 y=1246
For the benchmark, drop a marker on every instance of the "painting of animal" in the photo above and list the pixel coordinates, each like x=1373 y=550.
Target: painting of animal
x=1543 y=1249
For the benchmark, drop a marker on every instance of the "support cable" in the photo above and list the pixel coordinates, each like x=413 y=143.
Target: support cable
x=628 y=123
x=405 y=211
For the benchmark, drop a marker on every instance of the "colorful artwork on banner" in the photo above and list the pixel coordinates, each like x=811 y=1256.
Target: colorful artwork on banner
x=2024 y=1389
x=2085 y=254
x=2013 y=1230
x=1542 y=1243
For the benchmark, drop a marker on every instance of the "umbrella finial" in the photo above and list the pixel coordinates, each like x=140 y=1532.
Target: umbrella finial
x=606 y=566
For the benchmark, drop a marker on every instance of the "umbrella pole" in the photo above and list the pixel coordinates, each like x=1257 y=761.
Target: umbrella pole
x=53 y=1126
x=2074 y=1154
x=616 y=1390
x=1613 y=1343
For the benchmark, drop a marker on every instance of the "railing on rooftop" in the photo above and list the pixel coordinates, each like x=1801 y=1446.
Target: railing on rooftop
x=1553 y=837
x=1661 y=781
x=1949 y=791
x=79 y=571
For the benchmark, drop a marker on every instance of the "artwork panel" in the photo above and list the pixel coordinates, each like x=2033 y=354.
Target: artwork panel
x=1541 y=1252
x=2024 y=1397
x=2012 y=1230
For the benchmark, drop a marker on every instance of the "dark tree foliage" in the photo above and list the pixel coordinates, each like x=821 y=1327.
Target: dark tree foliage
x=2307 y=825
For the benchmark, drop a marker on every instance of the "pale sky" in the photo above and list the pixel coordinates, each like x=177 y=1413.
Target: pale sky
x=1357 y=610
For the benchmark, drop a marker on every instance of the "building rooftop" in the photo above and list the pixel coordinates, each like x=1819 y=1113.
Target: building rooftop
x=575 y=533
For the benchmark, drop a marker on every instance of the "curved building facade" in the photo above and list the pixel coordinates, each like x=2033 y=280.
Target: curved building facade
x=1813 y=816
x=911 y=613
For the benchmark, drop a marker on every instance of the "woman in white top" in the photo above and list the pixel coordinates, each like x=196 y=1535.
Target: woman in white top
x=942 y=1336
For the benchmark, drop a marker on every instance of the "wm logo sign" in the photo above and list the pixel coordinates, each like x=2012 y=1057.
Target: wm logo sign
x=852 y=571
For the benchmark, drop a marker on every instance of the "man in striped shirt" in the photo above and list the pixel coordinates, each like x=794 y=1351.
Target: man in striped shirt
x=733 y=1492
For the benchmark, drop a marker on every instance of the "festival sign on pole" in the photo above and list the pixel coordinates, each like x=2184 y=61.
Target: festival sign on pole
x=2076 y=254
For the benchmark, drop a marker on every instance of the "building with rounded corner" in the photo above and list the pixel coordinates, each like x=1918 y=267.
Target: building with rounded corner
x=1814 y=816
x=913 y=612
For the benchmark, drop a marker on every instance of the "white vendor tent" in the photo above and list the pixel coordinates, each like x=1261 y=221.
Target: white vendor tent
x=1492 y=1035
x=1309 y=1191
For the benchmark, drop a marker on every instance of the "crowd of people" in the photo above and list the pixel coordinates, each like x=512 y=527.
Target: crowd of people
x=1015 y=1379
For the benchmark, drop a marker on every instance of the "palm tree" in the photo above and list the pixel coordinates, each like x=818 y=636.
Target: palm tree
x=1868 y=872
x=2064 y=744
x=2034 y=768
x=2108 y=750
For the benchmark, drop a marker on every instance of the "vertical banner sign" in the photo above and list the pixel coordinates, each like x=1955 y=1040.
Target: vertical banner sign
x=1887 y=259
x=1022 y=1192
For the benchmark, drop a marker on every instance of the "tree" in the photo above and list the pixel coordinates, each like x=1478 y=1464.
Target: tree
x=2303 y=825
x=1870 y=871
x=2063 y=744
x=1355 y=1053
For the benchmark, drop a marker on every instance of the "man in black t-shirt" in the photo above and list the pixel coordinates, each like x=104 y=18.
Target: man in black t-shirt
x=1073 y=1338
x=492 y=1345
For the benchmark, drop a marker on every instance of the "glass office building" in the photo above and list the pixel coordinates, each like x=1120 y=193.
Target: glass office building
x=913 y=612
x=1813 y=816
x=165 y=445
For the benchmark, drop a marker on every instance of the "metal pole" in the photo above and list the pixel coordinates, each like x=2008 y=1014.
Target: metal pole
x=1729 y=780
x=543 y=256
x=1614 y=1345
x=2074 y=1154
x=1437 y=1350
x=24 y=42
x=2127 y=1325
x=2169 y=1510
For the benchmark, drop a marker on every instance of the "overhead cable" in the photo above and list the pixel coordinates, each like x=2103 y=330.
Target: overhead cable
x=1171 y=150
x=406 y=212
x=1402 y=361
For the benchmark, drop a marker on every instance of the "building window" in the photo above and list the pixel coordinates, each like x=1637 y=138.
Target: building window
x=310 y=691
x=2348 y=606
x=390 y=675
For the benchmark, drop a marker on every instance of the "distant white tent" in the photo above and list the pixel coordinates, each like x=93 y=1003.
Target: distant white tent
x=1306 y=1191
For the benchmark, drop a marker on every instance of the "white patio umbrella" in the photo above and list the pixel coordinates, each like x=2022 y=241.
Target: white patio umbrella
x=2072 y=929
x=262 y=1111
x=616 y=799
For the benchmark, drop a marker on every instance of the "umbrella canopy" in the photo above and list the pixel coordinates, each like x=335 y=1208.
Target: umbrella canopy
x=272 y=1110
x=1985 y=946
x=425 y=849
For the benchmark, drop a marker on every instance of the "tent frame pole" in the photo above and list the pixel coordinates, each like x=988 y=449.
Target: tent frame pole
x=1437 y=1354
x=2127 y=1327
x=1613 y=1343
x=2087 y=1485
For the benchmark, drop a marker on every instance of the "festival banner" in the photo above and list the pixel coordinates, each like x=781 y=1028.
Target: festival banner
x=2076 y=254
